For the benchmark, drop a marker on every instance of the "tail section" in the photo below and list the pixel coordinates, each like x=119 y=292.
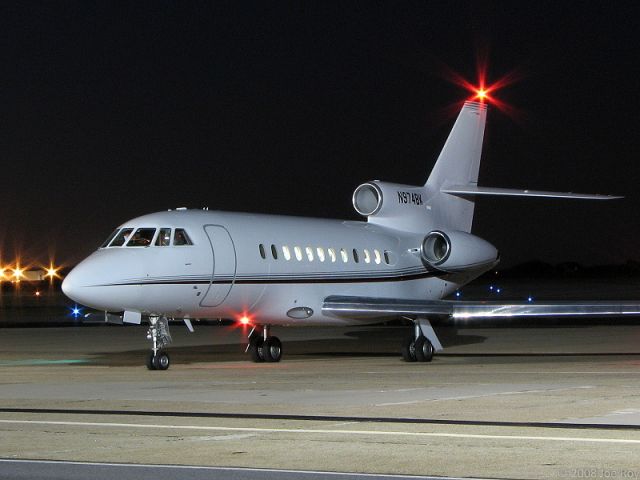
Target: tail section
x=458 y=165
x=419 y=209
x=447 y=200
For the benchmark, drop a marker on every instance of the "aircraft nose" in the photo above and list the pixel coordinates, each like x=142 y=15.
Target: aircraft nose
x=96 y=282
x=69 y=285
x=80 y=285
x=73 y=283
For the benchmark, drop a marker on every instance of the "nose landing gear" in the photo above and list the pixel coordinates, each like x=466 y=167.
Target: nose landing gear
x=158 y=333
x=263 y=347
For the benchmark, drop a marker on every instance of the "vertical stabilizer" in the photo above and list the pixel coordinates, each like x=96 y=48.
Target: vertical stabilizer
x=458 y=164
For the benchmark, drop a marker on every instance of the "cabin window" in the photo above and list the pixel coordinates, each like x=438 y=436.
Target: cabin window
x=376 y=256
x=122 y=237
x=355 y=256
x=386 y=257
x=309 y=252
x=367 y=257
x=343 y=254
x=274 y=252
x=286 y=252
x=113 y=234
x=298 y=251
x=181 y=238
x=164 y=238
x=263 y=254
x=142 y=237
x=332 y=255
x=320 y=252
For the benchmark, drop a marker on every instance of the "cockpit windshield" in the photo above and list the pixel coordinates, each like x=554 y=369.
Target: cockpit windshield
x=142 y=237
x=122 y=237
x=108 y=240
x=146 y=236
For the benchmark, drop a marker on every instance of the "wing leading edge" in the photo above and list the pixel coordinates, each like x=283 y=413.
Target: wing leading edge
x=366 y=307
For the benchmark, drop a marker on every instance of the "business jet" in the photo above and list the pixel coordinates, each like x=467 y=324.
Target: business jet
x=414 y=249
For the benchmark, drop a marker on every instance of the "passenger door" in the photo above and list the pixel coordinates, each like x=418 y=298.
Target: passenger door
x=224 y=266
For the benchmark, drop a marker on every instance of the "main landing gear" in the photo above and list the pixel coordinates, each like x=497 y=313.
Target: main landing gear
x=262 y=346
x=159 y=334
x=421 y=346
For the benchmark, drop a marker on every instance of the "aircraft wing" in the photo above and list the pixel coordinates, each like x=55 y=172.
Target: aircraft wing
x=367 y=307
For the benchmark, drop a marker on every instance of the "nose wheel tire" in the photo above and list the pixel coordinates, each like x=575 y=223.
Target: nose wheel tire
x=159 y=361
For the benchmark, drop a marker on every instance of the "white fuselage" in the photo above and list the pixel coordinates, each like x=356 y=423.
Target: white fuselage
x=274 y=269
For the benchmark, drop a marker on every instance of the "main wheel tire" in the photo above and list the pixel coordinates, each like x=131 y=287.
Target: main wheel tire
x=272 y=349
x=424 y=350
x=409 y=349
x=256 y=349
x=149 y=362
x=161 y=361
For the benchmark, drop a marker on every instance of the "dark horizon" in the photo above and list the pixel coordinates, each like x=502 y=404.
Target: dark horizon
x=110 y=111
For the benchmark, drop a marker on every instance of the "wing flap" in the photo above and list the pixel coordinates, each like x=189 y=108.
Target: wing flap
x=368 y=307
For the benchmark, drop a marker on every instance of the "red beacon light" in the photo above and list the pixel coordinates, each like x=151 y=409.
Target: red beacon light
x=244 y=320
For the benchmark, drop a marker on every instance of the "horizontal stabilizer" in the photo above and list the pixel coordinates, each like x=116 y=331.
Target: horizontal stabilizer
x=473 y=190
x=366 y=307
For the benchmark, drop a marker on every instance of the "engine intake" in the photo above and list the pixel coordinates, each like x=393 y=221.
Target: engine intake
x=457 y=251
x=383 y=200
x=367 y=199
x=436 y=248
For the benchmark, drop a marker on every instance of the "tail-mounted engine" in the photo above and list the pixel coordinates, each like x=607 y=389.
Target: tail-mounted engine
x=382 y=199
x=457 y=251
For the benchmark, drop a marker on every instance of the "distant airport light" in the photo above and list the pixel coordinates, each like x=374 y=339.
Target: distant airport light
x=18 y=273
x=458 y=294
x=51 y=272
x=498 y=290
x=75 y=311
x=530 y=299
x=37 y=294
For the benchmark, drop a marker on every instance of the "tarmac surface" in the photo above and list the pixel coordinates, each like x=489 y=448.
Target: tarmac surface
x=560 y=402
x=29 y=469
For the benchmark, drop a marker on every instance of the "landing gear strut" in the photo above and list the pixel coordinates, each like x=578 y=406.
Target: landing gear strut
x=421 y=346
x=263 y=347
x=158 y=333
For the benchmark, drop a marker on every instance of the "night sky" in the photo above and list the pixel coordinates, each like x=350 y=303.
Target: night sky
x=111 y=110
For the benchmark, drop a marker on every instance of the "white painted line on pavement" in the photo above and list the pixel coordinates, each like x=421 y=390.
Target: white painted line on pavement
x=324 y=431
